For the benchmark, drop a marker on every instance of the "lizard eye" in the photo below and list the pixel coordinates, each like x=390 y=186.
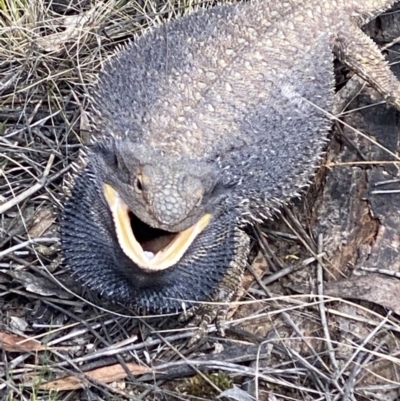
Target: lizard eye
x=138 y=184
x=198 y=203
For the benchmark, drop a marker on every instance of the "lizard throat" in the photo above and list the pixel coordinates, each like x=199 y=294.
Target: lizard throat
x=170 y=252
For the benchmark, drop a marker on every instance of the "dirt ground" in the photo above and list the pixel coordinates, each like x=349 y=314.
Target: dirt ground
x=319 y=317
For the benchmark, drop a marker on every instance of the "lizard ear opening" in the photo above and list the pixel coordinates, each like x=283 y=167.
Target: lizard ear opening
x=150 y=249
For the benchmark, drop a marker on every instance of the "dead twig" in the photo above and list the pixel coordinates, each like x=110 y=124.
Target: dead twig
x=30 y=191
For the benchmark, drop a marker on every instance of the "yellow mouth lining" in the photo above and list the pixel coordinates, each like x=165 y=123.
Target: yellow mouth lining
x=163 y=259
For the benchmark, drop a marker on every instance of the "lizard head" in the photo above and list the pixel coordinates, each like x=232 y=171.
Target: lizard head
x=159 y=203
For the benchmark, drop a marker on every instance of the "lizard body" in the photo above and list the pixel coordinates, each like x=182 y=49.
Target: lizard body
x=202 y=125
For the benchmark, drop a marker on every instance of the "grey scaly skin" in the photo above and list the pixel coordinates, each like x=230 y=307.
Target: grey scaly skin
x=221 y=112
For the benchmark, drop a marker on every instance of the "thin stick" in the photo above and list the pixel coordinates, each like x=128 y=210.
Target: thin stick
x=30 y=191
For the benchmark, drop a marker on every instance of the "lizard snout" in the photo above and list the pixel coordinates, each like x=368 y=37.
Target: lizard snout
x=170 y=209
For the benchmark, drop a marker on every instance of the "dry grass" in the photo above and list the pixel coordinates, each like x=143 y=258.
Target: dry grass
x=280 y=346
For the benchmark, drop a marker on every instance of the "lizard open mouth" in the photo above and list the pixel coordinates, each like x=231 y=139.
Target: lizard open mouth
x=149 y=248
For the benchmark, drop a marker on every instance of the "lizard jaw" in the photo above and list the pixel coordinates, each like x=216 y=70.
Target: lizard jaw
x=164 y=258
